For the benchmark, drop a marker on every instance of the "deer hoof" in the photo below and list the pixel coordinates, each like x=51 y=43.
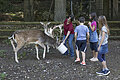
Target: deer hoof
x=17 y=61
x=38 y=58
x=43 y=57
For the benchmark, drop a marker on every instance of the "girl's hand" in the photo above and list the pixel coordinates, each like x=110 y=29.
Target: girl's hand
x=63 y=41
x=89 y=23
x=98 y=48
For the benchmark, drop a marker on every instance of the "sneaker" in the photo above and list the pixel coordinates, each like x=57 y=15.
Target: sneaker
x=95 y=59
x=92 y=58
x=101 y=72
x=83 y=63
x=77 y=60
x=106 y=72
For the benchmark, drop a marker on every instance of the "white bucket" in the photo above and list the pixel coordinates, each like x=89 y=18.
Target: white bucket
x=62 y=48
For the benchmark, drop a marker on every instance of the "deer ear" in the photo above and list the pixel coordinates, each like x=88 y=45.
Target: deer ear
x=48 y=23
x=60 y=26
x=42 y=23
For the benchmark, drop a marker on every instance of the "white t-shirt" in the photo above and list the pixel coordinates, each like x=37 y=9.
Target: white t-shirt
x=106 y=36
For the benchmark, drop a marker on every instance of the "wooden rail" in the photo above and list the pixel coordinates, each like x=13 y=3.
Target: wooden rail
x=5 y=30
x=111 y=37
x=117 y=30
x=30 y=23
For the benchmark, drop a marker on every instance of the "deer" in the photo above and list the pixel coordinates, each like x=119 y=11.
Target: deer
x=45 y=26
x=49 y=31
x=37 y=37
x=46 y=29
x=57 y=26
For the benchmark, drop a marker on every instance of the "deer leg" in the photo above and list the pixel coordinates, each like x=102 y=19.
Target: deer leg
x=16 y=59
x=36 y=47
x=48 y=48
x=43 y=46
x=19 y=46
x=60 y=32
x=60 y=38
x=44 y=51
x=12 y=44
x=15 y=50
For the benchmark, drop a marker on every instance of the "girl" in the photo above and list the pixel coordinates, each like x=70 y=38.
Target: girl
x=93 y=36
x=69 y=34
x=103 y=44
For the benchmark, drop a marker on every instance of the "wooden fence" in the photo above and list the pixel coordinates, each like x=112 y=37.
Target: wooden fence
x=7 y=28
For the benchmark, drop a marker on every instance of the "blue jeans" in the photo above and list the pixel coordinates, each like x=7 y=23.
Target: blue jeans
x=101 y=53
x=71 y=36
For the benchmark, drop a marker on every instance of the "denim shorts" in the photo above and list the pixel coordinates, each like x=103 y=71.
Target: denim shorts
x=94 y=46
x=103 y=49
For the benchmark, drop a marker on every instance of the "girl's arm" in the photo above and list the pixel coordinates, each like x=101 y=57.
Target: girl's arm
x=103 y=37
x=68 y=33
x=87 y=37
x=92 y=28
x=75 y=36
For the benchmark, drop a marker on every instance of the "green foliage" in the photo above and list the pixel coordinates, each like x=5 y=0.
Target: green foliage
x=11 y=5
x=9 y=10
x=2 y=53
x=3 y=76
x=16 y=16
x=44 y=16
x=23 y=55
x=6 y=41
x=47 y=16
x=4 y=5
x=13 y=10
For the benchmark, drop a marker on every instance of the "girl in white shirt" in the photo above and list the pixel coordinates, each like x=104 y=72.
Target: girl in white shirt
x=103 y=44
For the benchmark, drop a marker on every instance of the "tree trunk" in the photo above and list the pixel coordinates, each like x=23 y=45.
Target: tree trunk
x=31 y=11
x=106 y=8
x=28 y=11
x=71 y=6
x=60 y=10
x=99 y=7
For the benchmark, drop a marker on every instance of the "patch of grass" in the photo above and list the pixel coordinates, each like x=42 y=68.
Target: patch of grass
x=3 y=76
x=23 y=55
x=6 y=42
x=2 y=53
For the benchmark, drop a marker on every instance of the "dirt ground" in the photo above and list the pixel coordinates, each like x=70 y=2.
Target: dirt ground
x=56 y=66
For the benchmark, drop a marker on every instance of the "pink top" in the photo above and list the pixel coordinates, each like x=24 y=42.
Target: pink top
x=95 y=24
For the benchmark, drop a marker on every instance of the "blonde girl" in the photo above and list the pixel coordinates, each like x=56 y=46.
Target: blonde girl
x=103 y=44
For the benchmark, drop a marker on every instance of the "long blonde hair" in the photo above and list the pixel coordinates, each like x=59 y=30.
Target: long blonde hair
x=102 y=21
